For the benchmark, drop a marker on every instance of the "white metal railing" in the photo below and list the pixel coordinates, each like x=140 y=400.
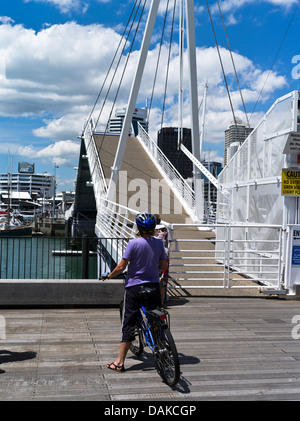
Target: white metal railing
x=205 y=260
x=261 y=155
x=178 y=184
x=97 y=174
x=201 y=167
x=114 y=220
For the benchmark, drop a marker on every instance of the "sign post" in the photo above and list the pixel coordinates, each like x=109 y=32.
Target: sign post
x=292 y=146
x=290 y=184
x=290 y=190
x=293 y=258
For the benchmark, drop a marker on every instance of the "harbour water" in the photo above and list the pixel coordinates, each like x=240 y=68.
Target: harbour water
x=44 y=258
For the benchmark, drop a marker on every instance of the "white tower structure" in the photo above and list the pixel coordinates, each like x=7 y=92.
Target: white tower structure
x=191 y=41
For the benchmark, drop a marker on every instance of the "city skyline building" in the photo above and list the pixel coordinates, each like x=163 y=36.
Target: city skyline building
x=41 y=185
x=235 y=135
x=167 y=141
x=140 y=115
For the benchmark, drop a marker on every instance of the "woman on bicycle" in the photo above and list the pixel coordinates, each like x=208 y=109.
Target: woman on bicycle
x=145 y=257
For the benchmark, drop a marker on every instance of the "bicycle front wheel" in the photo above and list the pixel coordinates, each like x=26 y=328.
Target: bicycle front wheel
x=166 y=357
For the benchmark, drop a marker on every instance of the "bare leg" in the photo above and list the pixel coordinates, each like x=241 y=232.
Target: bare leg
x=119 y=363
x=162 y=294
x=124 y=347
x=163 y=289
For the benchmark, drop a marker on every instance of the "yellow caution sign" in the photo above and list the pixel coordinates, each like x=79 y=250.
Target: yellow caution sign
x=290 y=184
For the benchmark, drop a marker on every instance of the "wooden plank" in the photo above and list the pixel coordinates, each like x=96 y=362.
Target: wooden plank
x=229 y=349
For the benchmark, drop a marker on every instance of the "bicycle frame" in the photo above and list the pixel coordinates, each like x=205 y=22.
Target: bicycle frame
x=145 y=325
x=144 y=322
x=152 y=330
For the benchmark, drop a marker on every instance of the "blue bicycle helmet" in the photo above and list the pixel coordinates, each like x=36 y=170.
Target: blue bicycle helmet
x=145 y=221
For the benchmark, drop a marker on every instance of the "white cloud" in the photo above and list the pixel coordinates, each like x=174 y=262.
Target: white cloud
x=232 y=20
x=56 y=73
x=268 y=81
x=232 y=5
x=6 y=20
x=58 y=60
x=68 y=6
x=283 y=3
x=60 y=153
x=65 y=6
x=218 y=113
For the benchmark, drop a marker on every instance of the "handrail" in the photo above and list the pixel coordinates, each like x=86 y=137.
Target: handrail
x=227 y=259
x=97 y=174
x=180 y=187
x=114 y=219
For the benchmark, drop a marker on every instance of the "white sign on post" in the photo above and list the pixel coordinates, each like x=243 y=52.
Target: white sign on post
x=293 y=258
x=296 y=246
x=292 y=145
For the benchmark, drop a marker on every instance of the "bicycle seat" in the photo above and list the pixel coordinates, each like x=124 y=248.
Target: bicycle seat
x=146 y=292
x=146 y=295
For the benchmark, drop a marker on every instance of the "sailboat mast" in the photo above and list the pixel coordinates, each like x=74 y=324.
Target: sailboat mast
x=203 y=118
x=9 y=189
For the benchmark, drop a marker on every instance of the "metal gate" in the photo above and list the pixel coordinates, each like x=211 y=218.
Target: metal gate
x=226 y=256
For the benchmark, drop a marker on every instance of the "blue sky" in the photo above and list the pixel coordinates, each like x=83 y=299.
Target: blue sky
x=55 y=55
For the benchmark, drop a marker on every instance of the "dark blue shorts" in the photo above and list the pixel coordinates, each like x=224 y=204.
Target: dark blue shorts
x=131 y=306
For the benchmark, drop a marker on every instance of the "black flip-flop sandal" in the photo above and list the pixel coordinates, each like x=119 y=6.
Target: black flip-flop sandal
x=117 y=368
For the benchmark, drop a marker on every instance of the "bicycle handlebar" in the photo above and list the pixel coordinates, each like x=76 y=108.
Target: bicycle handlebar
x=104 y=276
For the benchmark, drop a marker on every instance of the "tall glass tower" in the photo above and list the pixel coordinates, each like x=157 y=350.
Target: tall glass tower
x=235 y=135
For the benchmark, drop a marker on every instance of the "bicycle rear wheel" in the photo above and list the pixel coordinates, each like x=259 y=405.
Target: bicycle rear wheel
x=166 y=357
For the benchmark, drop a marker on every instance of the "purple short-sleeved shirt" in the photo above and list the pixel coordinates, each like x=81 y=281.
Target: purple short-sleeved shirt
x=144 y=255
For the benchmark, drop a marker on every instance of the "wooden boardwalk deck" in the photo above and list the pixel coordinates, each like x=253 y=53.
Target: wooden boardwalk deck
x=230 y=349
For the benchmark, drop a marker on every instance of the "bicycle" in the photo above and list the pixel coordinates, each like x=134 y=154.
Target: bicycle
x=153 y=330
